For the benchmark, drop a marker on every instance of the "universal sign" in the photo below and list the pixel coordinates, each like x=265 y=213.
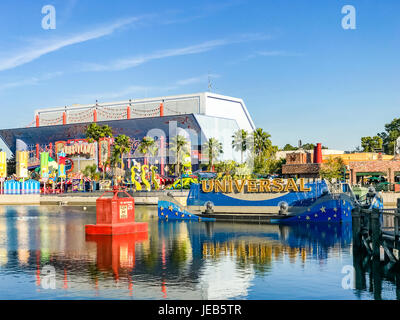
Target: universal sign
x=253 y=185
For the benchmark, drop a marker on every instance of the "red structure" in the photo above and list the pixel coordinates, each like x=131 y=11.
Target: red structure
x=115 y=216
x=318 y=153
x=117 y=253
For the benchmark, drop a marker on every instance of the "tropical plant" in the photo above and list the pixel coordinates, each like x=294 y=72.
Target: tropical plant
x=389 y=137
x=94 y=132
x=180 y=146
x=213 y=149
x=332 y=169
x=91 y=172
x=121 y=146
x=239 y=142
x=289 y=147
x=371 y=144
x=262 y=142
x=148 y=146
x=11 y=165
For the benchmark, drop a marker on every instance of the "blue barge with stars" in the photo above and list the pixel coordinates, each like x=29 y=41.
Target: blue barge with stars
x=289 y=202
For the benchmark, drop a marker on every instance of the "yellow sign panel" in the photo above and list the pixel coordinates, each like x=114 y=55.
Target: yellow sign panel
x=3 y=164
x=22 y=164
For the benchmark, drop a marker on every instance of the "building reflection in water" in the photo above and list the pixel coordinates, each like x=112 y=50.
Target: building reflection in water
x=174 y=260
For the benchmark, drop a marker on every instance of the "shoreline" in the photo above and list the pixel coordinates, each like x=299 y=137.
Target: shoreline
x=86 y=198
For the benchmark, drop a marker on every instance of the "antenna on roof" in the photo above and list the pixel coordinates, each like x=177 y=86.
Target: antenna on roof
x=209 y=82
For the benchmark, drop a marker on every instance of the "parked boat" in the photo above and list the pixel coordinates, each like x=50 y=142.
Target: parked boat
x=308 y=202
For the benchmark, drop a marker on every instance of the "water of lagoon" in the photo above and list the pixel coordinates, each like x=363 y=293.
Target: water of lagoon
x=180 y=260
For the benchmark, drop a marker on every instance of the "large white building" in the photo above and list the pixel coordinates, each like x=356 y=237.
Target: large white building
x=200 y=116
x=204 y=103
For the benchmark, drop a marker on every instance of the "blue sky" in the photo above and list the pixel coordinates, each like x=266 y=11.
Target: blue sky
x=301 y=75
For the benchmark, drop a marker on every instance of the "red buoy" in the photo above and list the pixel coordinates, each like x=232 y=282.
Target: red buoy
x=115 y=216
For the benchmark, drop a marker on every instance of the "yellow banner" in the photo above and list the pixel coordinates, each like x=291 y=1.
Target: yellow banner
x=22 y=164
x=3 y=164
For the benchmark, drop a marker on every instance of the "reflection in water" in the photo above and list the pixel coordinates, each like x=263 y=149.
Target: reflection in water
x=180 y=260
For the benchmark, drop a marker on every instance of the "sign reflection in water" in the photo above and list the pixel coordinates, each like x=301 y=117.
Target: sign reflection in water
x=180 y=260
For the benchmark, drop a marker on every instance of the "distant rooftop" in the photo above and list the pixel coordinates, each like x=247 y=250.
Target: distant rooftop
x=205 y=103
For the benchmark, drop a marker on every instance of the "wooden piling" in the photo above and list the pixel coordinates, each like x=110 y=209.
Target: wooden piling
x=396 y=221
x=356 y=227
x=375 y=232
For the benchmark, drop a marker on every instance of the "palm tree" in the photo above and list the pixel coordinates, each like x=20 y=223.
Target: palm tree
x=148 y=145
x=95 y=132
x=122 y=145
x=239 y=142
x=213 y=148
x=262 y=143
x=180 y=146
x=90 y=172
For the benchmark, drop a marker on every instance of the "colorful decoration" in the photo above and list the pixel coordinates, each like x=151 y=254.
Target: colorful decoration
x=138 y=186
x=155 y=182
x=22 y=164
x=104 y=151
x=145 y=169
x=61 y=165
x=44 y=164
x=3 y=164
x=187 y=182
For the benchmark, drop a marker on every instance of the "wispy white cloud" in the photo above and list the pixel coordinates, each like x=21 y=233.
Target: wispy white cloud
x=34 y=52
x=203 y=78
x=123 y=64
x=29 y=81
x=266 y=53
x=274 y=54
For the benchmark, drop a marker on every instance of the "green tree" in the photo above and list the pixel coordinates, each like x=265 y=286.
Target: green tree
x=289 y=147
x=148 y=146
x=392 y=132
x=332 y=169
x=121 y=146
x=370 y=144
x=180 y=146
x=11 y=166
x=91 y=172
x=239 y=142
x=94 y=132
x=213 y=149
x=263 y=153
x=262 y=142
x=306 y=146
